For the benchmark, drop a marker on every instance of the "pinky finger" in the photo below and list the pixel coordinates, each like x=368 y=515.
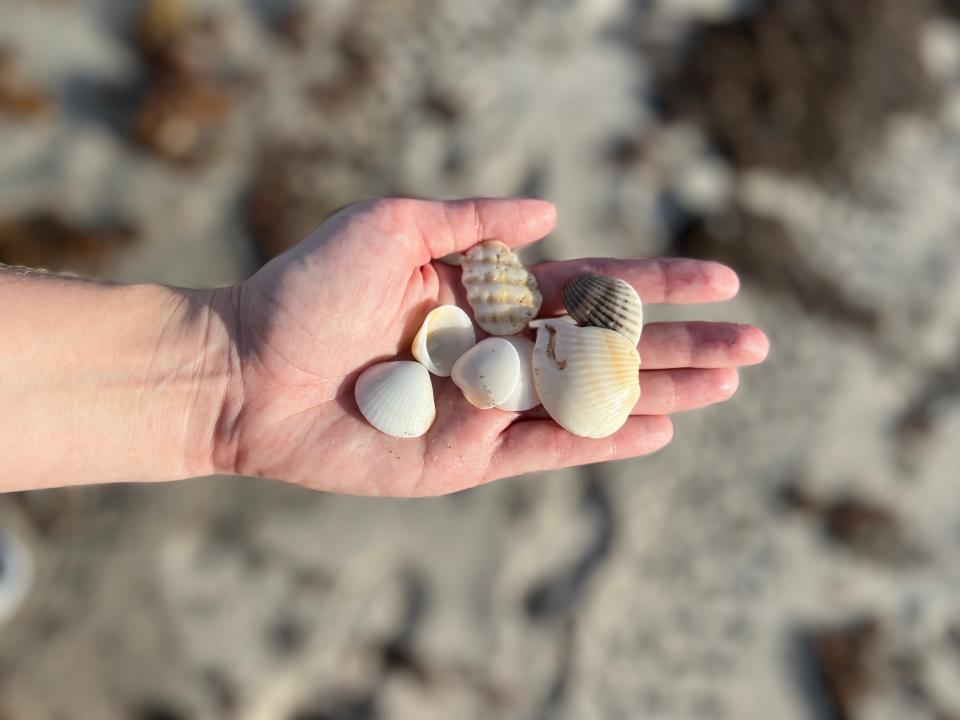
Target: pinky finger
x=534 y=445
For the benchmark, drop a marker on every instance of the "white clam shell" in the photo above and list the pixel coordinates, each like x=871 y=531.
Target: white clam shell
x=445 y=335
x=524 y=395
x=502 y=292
x=588 y=378
x=488 y=372
x=397 y=398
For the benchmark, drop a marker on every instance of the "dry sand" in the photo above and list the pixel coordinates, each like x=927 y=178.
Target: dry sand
x=721 y=578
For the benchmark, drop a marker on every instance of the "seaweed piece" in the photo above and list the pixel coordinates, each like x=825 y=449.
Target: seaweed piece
x=18 y=98
x=803 y=86
x=847 y=662
x=47 y=240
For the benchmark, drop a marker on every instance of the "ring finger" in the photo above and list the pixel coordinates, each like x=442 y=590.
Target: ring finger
x=668 y=391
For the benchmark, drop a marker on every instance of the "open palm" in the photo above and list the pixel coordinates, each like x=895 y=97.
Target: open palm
x=355 y=293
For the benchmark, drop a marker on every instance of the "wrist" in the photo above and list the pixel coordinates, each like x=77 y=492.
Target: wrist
x=209 y=447
x=162 y=382
x=174 y=367
x=106 y=383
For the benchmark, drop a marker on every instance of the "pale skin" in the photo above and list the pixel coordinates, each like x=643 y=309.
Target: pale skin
x=108 y=383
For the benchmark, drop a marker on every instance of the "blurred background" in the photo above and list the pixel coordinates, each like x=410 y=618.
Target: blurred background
x=795 y=554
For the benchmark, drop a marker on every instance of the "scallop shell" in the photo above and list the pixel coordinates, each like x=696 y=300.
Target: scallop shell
x=397 y=398
x=445 y=335
x=488 y=372
x=588 y=378
x=524 y=396
x=502 y=292
x=605 y=302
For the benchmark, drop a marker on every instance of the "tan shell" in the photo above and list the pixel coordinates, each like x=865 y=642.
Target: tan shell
x=502 y=292
x=588 y=378
x=606 y=302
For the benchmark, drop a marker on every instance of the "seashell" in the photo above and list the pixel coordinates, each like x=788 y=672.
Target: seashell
x=534 y=324
x=502 y=292
x=396 y=398
x=588 y=378
x=488 y=372
x=453 y=259
x=606 y=302
x=524 y=396
x=445 y=335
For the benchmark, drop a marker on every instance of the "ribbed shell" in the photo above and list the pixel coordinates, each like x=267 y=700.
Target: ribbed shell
x=445 y=335
x=488 y=372
x=397 y=398
x=588 y=378
x=605 y=302
x=502 y=292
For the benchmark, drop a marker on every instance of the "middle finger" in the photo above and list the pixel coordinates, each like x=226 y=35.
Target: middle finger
x=701 y=345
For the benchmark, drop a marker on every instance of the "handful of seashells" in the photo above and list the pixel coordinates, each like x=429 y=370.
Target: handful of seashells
x=584 y=368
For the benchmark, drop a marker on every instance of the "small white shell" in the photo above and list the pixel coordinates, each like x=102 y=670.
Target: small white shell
x=445 y=335
x=397 y=398
x=502 y=292
x=588 y=378
x=488 y=372
x=524 y=395
x=534 y=324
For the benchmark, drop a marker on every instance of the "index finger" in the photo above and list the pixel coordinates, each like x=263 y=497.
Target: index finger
x=659 y=280
x=457 y=225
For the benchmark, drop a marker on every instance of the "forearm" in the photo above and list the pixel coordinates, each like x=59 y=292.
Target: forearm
x=104 y=383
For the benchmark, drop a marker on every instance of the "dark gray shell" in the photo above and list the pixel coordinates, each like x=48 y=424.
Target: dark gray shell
x=605 y=302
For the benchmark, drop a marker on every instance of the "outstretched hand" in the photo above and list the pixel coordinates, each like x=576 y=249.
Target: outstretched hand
x=355 y=292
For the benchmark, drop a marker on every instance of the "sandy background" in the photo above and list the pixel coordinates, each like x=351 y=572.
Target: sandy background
x=793 y=554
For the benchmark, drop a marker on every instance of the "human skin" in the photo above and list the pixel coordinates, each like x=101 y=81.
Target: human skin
x=106 y=383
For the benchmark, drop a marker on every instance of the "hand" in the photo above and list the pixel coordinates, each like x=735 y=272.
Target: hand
x=355 y=292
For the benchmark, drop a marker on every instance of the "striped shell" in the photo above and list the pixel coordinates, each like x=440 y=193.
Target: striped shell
x=502 y=292
x=605 y=302
x=396 y=398
x=588 y=378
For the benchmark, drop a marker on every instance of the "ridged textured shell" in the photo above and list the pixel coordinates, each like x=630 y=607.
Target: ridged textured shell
x=397 y=398
x=445 y=335
x=524 y=396
x=588 y=378
x=502 y=292
x=488 y=372
x=605 y=302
